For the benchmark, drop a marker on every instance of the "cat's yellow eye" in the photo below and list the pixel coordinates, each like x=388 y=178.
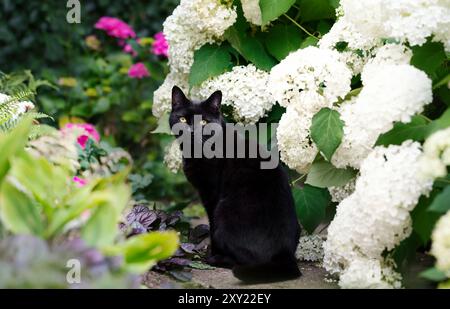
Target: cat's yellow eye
x=203 y=122
x=183 y=120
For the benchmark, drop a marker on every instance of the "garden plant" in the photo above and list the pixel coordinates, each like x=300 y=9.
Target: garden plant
x=358 y=91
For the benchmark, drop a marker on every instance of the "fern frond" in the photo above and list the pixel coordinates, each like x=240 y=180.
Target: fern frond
x=41 y=130
x=10 y=107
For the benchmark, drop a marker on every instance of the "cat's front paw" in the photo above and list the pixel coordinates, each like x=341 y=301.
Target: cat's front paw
x=220 y=261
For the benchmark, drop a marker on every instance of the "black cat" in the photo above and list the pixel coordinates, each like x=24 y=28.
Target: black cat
x=253 y=224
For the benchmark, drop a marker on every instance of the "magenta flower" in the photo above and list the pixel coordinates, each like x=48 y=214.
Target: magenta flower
x=129 y=50
x=80 y=181
x=138 y=70
x=84 y=131
x=115 y=27
x=160 y=47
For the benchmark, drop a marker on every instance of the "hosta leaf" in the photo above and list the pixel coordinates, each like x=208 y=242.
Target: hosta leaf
x=209 y=61
x=272 y=9
x=324 y=174
x=11 y=143
x=101 y=228
x=327 y=130
x=143 y=251
x=19 y=213
x=310 y=205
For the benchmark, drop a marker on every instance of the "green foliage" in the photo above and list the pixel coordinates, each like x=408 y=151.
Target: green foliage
x=416 y=130
x=248 y=45
x=428 y=57
x=209 y=61
x=272 y=9
x=324 y=174
x=282 y=39
x=310 y=204
x=316 y=9
x=423 y=219
x=433 y=274
x=143 y=251
x=11 y=144
x=441 y=202
x=163 y=125
x=20 y=86
x=327 y=130
x=36 y=35
x=19 y=213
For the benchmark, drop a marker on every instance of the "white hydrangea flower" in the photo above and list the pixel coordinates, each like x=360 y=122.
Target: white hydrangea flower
x=162 y=97
x=310 y=248
x=409 y=21
x=389 y=54
x=369 y=274
x=310 y=78
x=17 y=108
x=245 y=89
x=297 y=149
x=391 y=93
x=192 y=24
x=338 y=194
x=436 y=154
x=440 y=247
x=173 y=157
x=358 y=47
x=252 y=11
x=375 y=217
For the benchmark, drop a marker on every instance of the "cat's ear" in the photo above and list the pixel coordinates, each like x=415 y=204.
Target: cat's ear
x=214 y=101
x=178 y=97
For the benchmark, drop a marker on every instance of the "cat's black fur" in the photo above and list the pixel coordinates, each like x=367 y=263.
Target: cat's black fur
x=253 y=224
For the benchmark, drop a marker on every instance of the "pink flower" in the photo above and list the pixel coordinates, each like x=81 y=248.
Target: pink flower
x=80 y=181
x=84 y=131
x=129 y=50
x=160 y=47
x=115 y=27
x=138 y=70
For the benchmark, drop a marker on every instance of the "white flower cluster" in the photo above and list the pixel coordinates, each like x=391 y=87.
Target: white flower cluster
x=15 y=109
x=338 y=194
x=391 y=93
x=354 y=48
x=245 y=89
x=173 y=157
x=297 y=149
x=409 y=21
x=370 y=274
x=304 y=82
x=436 y=154
x=441 y=243
x=162 y=97
x=375 y=218
x=252 y=11
x=310 y=78
x=310 y=248
x=192 y=24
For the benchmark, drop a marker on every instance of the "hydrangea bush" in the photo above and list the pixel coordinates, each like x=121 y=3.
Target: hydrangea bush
x=357 y=87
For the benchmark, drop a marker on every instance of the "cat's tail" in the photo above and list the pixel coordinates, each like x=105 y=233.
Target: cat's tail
x=268 y=272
